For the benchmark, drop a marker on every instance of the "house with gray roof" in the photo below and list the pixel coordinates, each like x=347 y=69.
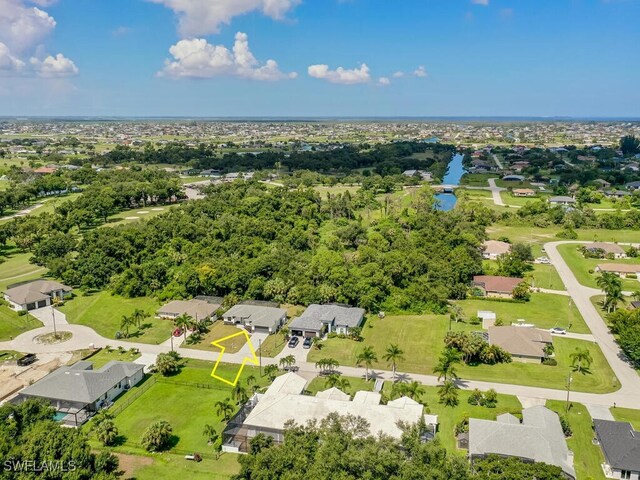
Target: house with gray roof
x=35 y=294
x=199 y=309
x=256 y=318
x=620 y=444
x=320 y=319
x=562 y=200
x=78 y=391
x=539 y=438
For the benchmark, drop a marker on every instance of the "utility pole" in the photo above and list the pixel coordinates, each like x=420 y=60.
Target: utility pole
x=568 y=391
x=53 y=315
x=260 y=353
x=171 y=340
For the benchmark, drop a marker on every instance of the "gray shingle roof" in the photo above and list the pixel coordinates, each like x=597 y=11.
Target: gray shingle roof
x=316 y=315
x=78 y=383
x=620 y=444
x=256 y=315
x=35 y=291
x=539 y=437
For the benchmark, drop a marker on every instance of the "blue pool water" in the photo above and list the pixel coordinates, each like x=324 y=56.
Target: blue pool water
x=59 y=416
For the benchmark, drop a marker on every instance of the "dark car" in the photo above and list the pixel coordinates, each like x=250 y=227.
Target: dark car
x=293 y=342
x=28 y=359
x=307 y=342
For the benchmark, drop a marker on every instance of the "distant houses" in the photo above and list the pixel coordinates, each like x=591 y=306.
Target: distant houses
x=523 y=192
x=525 y=344
x=78 y=391
x=200 y=308
x=562 y=200
x=35 y=294
x=604 y=249
x=539 y=438
x=320 y=319
x=621 y=269
x=620 y=444
x=492 y=249
x=495 y=285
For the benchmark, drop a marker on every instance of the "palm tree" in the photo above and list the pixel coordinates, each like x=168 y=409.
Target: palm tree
x=138 y=316
x=392 y=355
x=327 y=365
x=337 y=381
x=212 y=436
x=284 y=331
x=252 y=383
x=239 y=394
x=107 y=432
x=224 y=408
x=271 y=370
x=184 y=321
x=366 y=357
x=125 y=323
x=581 y=360
x=448 y=393
x=414 y=390
x=287 y=362
x=611 y=284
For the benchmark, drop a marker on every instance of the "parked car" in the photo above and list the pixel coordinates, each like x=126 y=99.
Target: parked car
x=28 y=359
x=558 y=331
x=543 y=260
x=307 y=342
x=293 y=342
x=177 y=332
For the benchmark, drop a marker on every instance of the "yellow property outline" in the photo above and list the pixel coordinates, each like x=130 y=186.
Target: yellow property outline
x=253 y=359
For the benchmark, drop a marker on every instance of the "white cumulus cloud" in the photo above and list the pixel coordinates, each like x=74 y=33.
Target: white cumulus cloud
x=54 y=67
x=398 y=74
x=420 y=72
x=8 y=62
x=197 y=58
x=204 y=17
x=484 y=3
x=341 y=75
x=384 y=81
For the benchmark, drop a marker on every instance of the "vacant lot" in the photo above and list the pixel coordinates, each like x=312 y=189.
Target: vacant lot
x=103 y=312
x=581 y=266
x=217 y=331
x=421 y=339
x=12 y=324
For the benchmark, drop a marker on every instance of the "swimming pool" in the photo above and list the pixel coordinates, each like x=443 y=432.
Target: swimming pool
x=59 y=416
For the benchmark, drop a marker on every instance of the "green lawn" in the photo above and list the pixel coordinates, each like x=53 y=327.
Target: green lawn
x=335 y=190
x=187 y=408
x=421 y=338
x=545 y=310
x=103 y=312
x=12 y=324
x=272 y=346
x=477 y=179
x=217 y=331
x=135 y=214
x=587 y=456
x=103 y=357
x=627 y=415
x=537 y=235
x=6 y=355
x=174 y=467
x=509 y=199
x=580 y=267
x=319 y=384
x=546 y=276
x=15 y=267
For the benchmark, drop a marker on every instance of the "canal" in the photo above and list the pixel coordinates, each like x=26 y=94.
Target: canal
x=452 y=177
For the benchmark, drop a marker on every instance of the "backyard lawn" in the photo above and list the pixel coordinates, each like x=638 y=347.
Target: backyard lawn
x=12 y=324
x=16 y=267
x=546 y=276
x=272 y=346
x=104 y=356
x=217 y=331
x=421 y=339
x=103 y=312
x=545 y=310
x=174 y=467
x=319 y=384
x=580 y=267
x=509 y=199
x=627 y=415
x=187 y=408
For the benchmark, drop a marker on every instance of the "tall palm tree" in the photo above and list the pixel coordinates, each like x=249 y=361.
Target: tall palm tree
x=252 y=383
x=337 y=381
x=184 y=321
x=581 y=360
x=288 y=361
x=138 y=316
x=239 y=394
x=212 y=436
x=448 y=393
x=366 y=357
x=126 y=323
x=392 y=355
x=224 y=408
x=414 y=390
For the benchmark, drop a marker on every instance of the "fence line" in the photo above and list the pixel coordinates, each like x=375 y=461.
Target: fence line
x=117 y=410
x=209 y=386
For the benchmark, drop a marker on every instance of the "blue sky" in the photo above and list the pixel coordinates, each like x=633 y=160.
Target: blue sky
x=329 y=57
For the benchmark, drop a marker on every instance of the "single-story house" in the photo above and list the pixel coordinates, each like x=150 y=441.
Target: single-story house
x=256 y=318
x=320 y=319
x=620 y=269
x=620 y=444
x=283 y=401
x=35 y=294
x=195 y=308
x=602 y=183
x=78 y=391
x=633 y=185
x=523 y=192
x=495 y=285
x=492 y=249
x=525 y=344
x=562 y=200
x=606 y=249
x=617 y=193
x=539 y=438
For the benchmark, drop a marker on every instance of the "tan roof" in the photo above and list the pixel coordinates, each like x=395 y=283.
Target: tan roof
x=496 y=247
x=520 y=340
x=523 y=190
x=494 y=283
x=607 y=247
x=35 y=291
x=194 y=308
x=618 y=268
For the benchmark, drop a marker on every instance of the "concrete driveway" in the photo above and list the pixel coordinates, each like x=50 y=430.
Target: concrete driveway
x=46 y=316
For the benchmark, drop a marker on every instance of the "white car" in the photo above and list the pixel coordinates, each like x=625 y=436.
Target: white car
x=558 y=331
x=543 y=260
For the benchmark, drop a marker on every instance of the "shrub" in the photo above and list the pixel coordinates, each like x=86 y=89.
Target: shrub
x=476 y=398
x=475 y=320
x=632 y=275
x=566 y=428
x=157 y=436
x=463 y=425
x=22 y=313
x=491 y=398
x=550 y=361
x=332 y=335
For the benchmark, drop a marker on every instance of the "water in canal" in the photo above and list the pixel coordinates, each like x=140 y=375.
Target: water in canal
x=452 y=177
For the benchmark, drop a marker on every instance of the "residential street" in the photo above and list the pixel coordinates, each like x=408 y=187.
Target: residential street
x=627 y=396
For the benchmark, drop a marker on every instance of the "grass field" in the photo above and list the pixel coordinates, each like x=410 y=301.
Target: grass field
x=12 y=324
x=627 y=415
x=509 y=199
x=580 y=267
x=217 y=331
x=319 y=384
x=546 y=276
x=133 y=215
x=103 y=312
x=477 y=179
x=587 y=456
x=536 y=235
x=15 y=267
x=103 y=357
x=545 y=310
x=187 y=408
x=175 y=467
x=335 y=190
x=421 y=339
